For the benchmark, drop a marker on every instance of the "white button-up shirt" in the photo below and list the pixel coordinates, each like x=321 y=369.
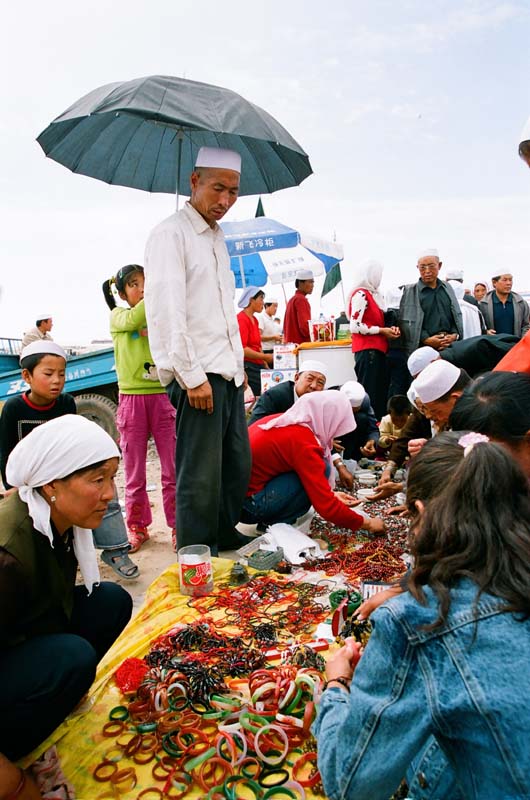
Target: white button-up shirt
x=189 y=302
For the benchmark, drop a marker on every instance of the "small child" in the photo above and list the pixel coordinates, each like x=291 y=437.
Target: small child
x=392 y=424
x=144 y=408
x=43 y=366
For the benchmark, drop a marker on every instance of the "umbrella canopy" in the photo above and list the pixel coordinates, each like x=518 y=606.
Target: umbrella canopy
x=262 y=249
x=146 y=133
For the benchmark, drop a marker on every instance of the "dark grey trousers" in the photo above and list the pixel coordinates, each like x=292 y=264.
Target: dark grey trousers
x=212 y=464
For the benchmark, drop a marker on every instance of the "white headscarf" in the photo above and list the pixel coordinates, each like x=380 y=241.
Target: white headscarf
x=53 y=451
x=328 y=414
x=367 y=275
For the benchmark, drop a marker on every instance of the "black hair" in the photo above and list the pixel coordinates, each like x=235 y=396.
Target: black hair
x=462 y=381
x=477 y=526
x=399 y=404
x=119 y=280
x=82 y=470
x=267 y=305
x=30 y=362
x=497 y=404
x=40 y=321
x=497 y=277
x=260 y=293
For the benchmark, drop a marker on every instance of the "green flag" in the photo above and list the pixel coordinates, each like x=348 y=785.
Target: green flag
x=259 y=210
x=333 y=278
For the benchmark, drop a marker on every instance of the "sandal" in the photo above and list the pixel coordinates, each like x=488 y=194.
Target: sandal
x=121 y=563
x=137 y=537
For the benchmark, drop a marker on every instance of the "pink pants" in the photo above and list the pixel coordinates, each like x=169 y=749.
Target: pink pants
x=139 y=417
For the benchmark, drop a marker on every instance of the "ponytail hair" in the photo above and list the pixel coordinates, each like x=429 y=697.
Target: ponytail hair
x=477 y=527
x=108 y=294
x=119 y=280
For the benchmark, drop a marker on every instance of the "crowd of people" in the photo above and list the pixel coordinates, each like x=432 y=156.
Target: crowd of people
x=436 y=693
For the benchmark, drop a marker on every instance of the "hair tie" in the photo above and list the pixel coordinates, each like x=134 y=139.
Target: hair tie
x=469 y=440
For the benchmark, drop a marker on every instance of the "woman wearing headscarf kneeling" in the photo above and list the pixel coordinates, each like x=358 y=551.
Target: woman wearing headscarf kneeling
x=291 y=464
x=52 y=632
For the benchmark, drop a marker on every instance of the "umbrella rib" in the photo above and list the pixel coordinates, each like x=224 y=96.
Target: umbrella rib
x=258 y=165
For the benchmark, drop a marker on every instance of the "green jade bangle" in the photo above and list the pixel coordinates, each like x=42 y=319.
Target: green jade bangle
x=193 y=763
x=120 y=713
x=247 y=782
x=279 y=791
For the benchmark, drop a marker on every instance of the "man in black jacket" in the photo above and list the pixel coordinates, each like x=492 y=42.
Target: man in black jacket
x=279 y=398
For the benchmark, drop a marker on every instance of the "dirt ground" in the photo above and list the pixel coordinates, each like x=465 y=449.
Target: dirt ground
x=156 y=554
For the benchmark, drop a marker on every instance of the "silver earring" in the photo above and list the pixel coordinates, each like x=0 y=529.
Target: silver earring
x=52 y=498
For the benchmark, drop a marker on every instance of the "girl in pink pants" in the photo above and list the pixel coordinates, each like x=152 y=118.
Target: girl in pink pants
x=144 y=409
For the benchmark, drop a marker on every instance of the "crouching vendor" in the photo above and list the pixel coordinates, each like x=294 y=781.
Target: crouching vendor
x=291 y=464
x=52 y=632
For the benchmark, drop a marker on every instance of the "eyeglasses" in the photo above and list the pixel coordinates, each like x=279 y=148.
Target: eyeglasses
x=425 y=267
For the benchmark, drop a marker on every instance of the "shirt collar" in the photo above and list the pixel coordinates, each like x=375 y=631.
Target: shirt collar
x=496 y=299
x=424 y=286
x=197 y=220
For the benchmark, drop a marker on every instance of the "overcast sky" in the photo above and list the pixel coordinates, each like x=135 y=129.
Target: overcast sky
x=410 y=113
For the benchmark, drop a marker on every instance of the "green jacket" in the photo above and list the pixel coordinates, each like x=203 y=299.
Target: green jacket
x=37 y=591
x=134 y=363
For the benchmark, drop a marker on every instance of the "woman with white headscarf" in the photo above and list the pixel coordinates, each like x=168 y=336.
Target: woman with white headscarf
x=52 y=632
x=369 y=334
x=291 y=464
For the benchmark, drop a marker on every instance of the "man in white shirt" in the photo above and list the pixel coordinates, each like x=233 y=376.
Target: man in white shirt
x=269 y=329
x=195 y=342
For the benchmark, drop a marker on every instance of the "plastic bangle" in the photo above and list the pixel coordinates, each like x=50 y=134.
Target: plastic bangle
x=247 y=782
x=104 y=771
x=273 y=761
x=265 y=778
x=208 y=776
x=162 y=768
x=247 y=762
x=279 y=791
x=119 y=713
x=113 y=754
x=314 y=775
x=127 y=775
x=133 y=745
x=112 y=729
x=193 y=763
x=296 y=787
x=152 y=793
x=294 y=703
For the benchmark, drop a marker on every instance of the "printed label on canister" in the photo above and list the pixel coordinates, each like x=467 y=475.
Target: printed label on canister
x=196 y=574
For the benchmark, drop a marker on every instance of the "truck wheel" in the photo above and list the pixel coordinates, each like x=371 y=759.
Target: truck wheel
x=99 y=409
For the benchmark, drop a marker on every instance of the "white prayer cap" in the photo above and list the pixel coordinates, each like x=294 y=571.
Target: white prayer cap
x=269 y=300
x=436 y=380
x=454 y=275
x=42 y=347
x=354 y=391
x=247 y=294
x=218 y=158
x=44 y=316
x=304 y=275
x=412 y=396
x=426 y=253
x=314 y=366
x=420 y=359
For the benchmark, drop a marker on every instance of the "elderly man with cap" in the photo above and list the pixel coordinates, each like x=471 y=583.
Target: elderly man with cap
x=311 y=378
x=298 y=311
x=429 y=313
x=195 y=342
x=42 y=329
x=251 y=301
x=270 y=331
x=438 y=387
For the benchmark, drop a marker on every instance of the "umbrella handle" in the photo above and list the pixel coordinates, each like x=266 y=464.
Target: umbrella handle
x=180 y=137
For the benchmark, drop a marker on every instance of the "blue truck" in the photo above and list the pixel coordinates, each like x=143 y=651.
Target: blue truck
x=90 y=378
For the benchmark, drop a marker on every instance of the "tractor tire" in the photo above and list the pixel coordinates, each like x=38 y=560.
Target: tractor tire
x=99 y=409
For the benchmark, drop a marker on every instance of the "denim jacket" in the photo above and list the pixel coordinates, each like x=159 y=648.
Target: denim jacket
x=464 y=686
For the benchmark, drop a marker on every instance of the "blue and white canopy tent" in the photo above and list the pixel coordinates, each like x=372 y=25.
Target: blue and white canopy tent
x=262 y=250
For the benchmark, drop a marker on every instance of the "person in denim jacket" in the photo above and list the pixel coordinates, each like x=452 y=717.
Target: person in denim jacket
x=444 y=676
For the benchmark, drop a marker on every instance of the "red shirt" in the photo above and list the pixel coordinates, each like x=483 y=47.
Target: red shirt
x=295 y=449
x=297 y=316
x=250 y=335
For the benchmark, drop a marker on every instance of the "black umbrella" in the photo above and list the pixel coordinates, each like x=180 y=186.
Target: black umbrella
x=146 y=133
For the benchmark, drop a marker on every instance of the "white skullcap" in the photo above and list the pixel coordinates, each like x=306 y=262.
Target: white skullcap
x=247 y=294
x=436 y=380
x=44 y=316
x=218 y=158
x=412 y=396
x=269 y=300
x=304 y=275
x=420 y=359
x=42 y=347
x=454 y=275
x=427 y=253
x=314 y=366
x=354 y=391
